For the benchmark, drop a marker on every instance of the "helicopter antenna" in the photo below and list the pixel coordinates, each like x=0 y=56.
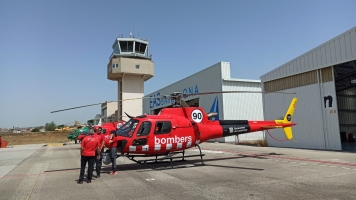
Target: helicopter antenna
x=129 y=116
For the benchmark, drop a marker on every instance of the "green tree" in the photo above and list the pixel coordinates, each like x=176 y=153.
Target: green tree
x=50 y=126
x=35 y=130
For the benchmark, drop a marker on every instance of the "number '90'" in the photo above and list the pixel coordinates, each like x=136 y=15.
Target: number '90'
x=197 y=115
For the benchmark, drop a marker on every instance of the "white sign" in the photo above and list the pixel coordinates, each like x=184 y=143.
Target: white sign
x=197 y=116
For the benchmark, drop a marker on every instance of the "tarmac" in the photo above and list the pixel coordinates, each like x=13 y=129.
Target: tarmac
x=230 y=172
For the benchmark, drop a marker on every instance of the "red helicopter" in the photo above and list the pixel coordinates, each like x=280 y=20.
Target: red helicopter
x=175 y=129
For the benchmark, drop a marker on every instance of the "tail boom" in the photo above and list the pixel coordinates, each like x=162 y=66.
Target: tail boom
x=224 y=128
x=236 y=127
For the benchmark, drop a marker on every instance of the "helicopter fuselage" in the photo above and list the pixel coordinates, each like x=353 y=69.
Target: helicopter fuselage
x=176 y=129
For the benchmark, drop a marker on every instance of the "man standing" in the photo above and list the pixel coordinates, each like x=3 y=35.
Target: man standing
x=90 y=145
x=98 y=160
x=113 y=147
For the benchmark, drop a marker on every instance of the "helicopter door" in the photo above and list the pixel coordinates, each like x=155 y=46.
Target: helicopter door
x=142 y=135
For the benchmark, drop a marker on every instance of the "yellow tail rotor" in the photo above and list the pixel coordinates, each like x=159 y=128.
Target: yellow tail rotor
x=288 y=118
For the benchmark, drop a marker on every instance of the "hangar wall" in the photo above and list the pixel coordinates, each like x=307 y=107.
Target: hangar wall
x=340 y=49
x=316 y=113
x=311 y=75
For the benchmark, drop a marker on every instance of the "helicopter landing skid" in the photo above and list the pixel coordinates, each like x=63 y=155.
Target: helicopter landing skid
x=167 y=156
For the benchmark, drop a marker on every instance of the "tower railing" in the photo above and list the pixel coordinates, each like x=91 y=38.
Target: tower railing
x=130 y=54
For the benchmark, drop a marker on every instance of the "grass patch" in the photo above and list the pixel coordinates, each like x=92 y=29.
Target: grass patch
x=35 y=138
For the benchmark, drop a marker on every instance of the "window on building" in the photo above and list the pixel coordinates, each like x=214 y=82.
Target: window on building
x=145 y=129
x=126 y=46
x=137 y=66
x=163 y=127
x=140 y=47
x=116 y=49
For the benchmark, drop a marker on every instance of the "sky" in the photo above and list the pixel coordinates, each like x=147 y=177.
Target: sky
x=54 y=54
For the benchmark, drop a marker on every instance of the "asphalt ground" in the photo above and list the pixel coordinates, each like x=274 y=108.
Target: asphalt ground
x=230 y=172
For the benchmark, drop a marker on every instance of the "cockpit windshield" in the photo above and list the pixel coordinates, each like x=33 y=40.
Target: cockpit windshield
x=128 y=128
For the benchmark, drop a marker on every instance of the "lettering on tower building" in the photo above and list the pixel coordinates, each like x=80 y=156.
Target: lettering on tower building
x=156 y=101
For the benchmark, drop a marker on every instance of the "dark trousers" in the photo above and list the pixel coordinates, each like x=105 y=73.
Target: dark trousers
x=113 y=158
x=83 y=162
x=98 y=162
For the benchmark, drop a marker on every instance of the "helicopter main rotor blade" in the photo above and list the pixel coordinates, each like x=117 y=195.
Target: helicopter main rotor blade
x=221 y=92
x=182 y=102
x=99 y=104
x=77 y=107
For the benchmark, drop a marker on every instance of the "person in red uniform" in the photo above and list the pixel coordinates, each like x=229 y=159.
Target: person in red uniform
x=99 y=160
x=90 y=145
x=113 y=148
x=0 y=140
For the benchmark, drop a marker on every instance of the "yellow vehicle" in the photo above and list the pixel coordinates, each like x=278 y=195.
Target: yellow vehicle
x=67 y=128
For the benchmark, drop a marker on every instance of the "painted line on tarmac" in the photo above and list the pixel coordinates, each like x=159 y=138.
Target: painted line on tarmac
x=286 y=158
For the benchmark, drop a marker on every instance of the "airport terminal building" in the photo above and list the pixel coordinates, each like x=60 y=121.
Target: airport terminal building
x=228 y=106
x=324 y=80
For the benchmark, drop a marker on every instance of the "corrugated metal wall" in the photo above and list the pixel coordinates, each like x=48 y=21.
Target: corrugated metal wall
x=337 y=50
x=308 y=116
x=330 y=118
x=316 y=113
x=346 y=102
x=243 y=106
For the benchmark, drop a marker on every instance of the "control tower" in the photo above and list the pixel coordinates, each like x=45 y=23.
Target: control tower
x=130 y=65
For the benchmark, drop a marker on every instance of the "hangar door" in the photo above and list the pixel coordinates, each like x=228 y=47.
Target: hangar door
x=329 y=108
x=345 y=83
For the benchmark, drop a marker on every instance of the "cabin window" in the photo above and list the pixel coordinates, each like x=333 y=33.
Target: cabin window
x=145 y=129
x=163 y=127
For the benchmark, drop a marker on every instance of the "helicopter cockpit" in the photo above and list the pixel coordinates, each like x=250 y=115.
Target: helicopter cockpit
x=128 y=128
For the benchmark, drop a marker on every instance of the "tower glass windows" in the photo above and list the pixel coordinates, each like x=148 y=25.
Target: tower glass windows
x=140 y=47
x=126 y=46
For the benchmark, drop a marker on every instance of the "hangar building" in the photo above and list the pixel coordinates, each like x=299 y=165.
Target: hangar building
x=228 y=106
x=324 y=80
